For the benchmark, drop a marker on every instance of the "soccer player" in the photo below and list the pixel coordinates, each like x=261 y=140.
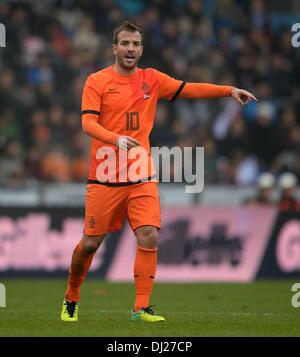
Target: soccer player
x=118 y=110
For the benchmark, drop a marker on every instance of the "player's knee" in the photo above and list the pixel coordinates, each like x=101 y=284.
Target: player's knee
x=147 y=237
x=90 y=247
x=91 y=244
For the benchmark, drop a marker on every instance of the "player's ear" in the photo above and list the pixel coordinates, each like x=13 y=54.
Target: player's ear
x=142 y=48
x=114 y=47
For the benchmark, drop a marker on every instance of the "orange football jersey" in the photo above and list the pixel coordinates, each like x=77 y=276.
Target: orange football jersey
x=125 y=105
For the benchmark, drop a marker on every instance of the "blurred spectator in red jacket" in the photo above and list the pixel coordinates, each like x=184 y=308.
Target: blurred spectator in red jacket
x=288 y=185
x=265 y=187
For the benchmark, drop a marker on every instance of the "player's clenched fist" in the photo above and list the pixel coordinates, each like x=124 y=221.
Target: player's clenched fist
x=127 y=142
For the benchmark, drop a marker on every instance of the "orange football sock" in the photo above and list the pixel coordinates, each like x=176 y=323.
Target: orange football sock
x=144 y=274
x=80 y=265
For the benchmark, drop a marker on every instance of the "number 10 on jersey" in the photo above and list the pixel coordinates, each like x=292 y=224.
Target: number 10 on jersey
x=132 y=121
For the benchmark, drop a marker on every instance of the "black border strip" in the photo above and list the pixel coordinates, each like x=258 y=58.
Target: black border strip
x=178 y=91
x=89 y=112
x=149 y=346
x=118 y=184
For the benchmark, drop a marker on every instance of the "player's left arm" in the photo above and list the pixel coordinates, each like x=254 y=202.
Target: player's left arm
x=208 y=90
x=171 y=88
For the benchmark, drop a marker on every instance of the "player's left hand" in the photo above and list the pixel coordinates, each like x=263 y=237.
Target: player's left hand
x=242 y=96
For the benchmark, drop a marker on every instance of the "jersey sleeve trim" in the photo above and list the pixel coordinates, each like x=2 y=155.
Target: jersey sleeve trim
x=90 y=112
x=178 y=91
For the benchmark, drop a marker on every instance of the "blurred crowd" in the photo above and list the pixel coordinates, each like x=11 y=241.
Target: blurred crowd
x=281 y=194
x=52 y=45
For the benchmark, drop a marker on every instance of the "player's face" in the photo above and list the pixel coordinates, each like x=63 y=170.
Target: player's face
x=129 y=49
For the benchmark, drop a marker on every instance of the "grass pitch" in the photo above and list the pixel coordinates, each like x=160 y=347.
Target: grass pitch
x=262 y=308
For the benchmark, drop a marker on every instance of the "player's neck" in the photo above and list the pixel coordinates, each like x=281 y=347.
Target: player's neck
x=123 y=71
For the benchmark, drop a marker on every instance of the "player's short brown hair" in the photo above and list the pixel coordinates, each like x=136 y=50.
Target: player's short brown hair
x=125 y=26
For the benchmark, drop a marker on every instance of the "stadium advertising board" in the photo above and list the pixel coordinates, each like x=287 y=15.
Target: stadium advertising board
x=196 y=244
x=40 y=241
x=282 y=256
x=203 y=244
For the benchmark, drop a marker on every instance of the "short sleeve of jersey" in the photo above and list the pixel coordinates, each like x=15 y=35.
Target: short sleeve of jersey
x=168 y=86
x=91 y=99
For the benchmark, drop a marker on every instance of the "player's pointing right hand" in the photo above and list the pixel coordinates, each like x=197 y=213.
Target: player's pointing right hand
x=127 y=142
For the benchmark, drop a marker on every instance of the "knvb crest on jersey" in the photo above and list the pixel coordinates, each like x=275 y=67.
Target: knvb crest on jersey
x=146 y=90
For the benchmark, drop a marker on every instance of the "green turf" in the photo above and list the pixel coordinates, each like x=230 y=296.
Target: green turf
x=257 y=309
